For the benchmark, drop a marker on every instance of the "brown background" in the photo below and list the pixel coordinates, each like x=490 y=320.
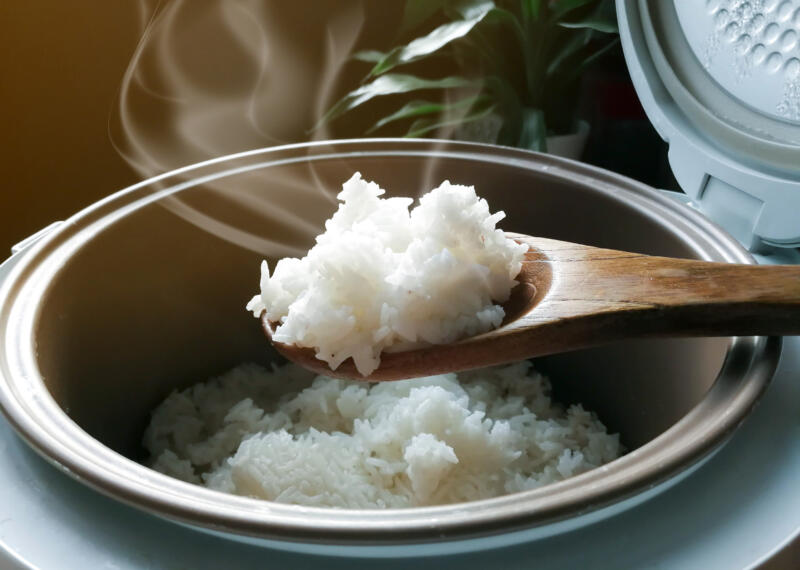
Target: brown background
x=61 y=64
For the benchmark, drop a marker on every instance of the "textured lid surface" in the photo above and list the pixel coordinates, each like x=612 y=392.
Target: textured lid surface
x=751 y=48
x=720 y=80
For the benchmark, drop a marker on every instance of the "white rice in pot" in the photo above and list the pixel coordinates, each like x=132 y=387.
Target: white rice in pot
x=381 y=276
x=283 y=435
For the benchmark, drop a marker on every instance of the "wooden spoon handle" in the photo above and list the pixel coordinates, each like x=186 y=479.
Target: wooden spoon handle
x=665 y=296
x=572 y=296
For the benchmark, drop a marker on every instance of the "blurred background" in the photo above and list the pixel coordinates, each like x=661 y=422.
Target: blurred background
x=61 y=64
x=168 y=84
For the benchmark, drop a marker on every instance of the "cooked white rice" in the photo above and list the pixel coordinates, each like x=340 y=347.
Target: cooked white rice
x=285 y=436
x=382 y=276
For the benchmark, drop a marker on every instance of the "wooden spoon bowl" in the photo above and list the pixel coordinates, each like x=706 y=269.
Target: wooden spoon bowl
x=572 y=296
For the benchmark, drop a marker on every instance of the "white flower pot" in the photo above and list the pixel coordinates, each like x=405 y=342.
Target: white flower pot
x=569 y=146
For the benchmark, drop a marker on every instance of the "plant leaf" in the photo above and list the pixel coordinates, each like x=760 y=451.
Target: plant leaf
x=475 y=11
x=597 y=55
x=534 y=131
x=500 y=16
x=423 y=126
x=487 y=51
x=578 y=70
x=487 y=47
x=602 y=19
x=573 y=45
x=417 y=12
x=469 y=9
x=391 y=84
x=418 y=108
x=508 y=105
x=562 y=7
x=591 y=24
x=369 y=55
x=530 y=10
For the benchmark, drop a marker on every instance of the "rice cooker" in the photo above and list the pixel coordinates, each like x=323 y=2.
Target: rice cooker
x=720 y=81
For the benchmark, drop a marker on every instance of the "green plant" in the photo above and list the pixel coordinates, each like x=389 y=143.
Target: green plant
x=517 y=61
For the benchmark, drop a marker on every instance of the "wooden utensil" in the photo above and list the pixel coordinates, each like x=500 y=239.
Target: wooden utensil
x=572 y=296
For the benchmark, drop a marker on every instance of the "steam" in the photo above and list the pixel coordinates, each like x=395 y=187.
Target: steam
x=220 y=77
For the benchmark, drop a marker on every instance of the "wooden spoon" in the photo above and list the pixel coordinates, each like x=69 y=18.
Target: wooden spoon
x=572 y=296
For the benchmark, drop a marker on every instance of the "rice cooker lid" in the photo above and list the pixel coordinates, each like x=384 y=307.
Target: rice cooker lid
x=720 y=81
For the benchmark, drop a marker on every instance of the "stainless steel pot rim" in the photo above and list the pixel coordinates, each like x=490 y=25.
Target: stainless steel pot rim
x=48 y=429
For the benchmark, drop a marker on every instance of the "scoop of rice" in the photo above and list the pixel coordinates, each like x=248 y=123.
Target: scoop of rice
x=285 y=436
x=382 y=276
